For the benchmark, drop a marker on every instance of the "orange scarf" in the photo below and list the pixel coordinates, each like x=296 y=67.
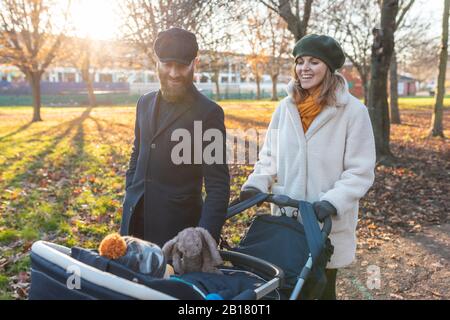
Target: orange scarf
x=309 y=109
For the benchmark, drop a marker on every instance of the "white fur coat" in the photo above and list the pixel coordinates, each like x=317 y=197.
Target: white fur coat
x=334 y=161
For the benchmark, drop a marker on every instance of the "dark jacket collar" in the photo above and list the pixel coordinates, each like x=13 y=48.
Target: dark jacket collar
x=187 y=104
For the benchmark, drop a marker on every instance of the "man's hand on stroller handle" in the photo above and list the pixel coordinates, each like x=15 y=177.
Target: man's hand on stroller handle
x=323 y=210
x=246 y=194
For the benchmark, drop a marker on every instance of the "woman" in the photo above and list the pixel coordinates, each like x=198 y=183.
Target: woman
x=319 y=148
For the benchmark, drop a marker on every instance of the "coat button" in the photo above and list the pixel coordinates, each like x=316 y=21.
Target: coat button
x=153 y=146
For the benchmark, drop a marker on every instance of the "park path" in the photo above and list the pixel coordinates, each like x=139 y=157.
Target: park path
x=412 y=266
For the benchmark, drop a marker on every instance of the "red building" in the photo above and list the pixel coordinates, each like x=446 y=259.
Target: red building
x=406 y=86
x=354 y=81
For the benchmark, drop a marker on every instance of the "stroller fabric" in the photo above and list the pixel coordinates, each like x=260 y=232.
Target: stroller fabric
x=50 y=281
x=281 y=240
x=228 y=285
x=93 y=259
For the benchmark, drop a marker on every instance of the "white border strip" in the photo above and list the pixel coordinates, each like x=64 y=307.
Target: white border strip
x=59 y=256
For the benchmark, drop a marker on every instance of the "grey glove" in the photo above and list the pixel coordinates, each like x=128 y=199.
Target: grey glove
x=324 y=209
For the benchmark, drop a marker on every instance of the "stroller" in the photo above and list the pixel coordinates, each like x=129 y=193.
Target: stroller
x=278 y=258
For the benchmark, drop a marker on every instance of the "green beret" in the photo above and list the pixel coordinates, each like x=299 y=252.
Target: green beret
x=321 y=47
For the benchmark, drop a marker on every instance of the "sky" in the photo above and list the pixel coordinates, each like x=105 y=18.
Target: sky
x=99 y=19
x=431 y=10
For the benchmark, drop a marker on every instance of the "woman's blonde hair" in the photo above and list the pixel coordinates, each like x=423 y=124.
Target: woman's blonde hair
x=330 y=84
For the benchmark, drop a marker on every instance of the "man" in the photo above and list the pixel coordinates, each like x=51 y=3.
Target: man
x=164 y=196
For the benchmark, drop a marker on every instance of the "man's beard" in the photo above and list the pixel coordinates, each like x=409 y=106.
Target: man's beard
x=175 y=93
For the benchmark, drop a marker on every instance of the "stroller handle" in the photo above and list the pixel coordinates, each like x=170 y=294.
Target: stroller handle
x=277 y=199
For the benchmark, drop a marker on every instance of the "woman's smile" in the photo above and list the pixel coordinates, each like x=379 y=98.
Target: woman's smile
x=307 y=76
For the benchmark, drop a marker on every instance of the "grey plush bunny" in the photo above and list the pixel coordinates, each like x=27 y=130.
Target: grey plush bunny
x=193 y=250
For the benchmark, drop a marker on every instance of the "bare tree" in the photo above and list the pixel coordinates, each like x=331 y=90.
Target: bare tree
x=351 y=22
x=382 y=48
x=214 y=60
x=146 y=18
x=421 y=61
x=30 y=39
x=255 y=34
x=85 y=64
x=401 y=44
x=88 y=56
x=393 y=90
x=437 y=119
x=296 y=13
x=279 y=45
x=214 y=41
x=416 y=53
x=353 y=31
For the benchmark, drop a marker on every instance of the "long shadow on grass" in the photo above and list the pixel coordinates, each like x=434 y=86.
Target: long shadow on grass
x=40 y=157
x=47 y=131
x=22 y=128
x=101 y=131
x=79 y=160
x=75 y=158
x=32 y=136
x=73 y=162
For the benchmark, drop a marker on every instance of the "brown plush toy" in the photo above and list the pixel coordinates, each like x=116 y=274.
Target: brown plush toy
x=193 y=250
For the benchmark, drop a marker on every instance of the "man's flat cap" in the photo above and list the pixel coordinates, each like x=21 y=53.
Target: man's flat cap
x=176 y=44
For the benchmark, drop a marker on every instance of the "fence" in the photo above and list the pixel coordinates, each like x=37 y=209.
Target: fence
x=74 y=94
x=57 y=88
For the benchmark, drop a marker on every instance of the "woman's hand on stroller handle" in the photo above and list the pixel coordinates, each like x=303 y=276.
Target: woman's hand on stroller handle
x=324 y=209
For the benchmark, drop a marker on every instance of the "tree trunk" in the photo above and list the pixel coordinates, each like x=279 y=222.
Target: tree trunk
x=86 y=75
x=88 y=79
x=274 y=87
x=296 y=25
x=258 y=88
x=216 y=82
x=363 y=75
x=34 y=79
x=218 y=97
x=378 y=106
x=436 y=121
x=365 y=83
x=90 y=88
x=393 y=96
